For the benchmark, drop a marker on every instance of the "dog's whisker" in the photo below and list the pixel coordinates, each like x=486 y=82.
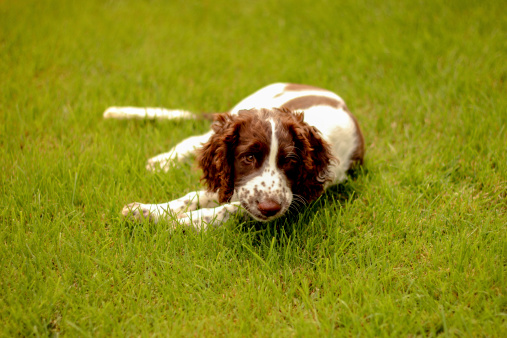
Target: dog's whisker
x=300 y=199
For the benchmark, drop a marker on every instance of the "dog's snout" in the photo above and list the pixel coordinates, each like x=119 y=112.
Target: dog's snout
x=269 y=207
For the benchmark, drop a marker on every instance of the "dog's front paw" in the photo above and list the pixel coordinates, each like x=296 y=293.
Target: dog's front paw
x=136 y=211
x=185 y=220
x=198 y=220
x=154 y=166
x=162 y=162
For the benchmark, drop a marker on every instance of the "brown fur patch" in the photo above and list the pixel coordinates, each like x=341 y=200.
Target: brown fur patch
x=305 y=102
x=294 y=87
x=313 y=155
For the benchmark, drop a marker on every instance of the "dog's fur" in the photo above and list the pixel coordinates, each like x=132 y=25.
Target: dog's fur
x=278 y=148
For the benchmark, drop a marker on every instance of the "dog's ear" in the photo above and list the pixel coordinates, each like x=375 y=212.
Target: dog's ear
x=216 y=157
x=316 y=157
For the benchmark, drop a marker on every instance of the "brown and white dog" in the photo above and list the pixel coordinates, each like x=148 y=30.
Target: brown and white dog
x=280 y=147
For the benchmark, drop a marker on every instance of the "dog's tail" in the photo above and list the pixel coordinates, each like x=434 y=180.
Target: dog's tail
x=149 y=113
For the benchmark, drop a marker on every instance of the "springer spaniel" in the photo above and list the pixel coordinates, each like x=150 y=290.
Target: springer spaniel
x=279 y=147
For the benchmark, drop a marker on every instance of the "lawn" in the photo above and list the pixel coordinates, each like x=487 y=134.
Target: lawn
x=415 y=243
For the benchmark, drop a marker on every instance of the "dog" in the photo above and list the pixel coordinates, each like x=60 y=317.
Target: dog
x=276 y=150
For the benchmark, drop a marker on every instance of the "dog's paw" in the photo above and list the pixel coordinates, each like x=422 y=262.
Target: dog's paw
x=197 y=220
x=163 y=162
x=188 y=222
x=136 y=211
x=158 y=165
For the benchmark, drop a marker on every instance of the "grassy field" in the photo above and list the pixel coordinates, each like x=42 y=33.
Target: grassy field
x=414 y=244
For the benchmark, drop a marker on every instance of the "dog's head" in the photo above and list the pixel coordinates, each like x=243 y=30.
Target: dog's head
x=268 y=157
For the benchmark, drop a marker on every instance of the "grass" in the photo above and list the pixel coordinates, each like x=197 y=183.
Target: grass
x=414 y=245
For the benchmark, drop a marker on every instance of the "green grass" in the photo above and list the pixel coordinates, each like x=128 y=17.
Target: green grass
x=416 y=244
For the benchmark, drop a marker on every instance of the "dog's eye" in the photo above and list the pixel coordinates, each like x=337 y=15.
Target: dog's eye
x=249 y=159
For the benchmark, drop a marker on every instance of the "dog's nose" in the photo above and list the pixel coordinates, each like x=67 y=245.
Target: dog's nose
x=269 y=207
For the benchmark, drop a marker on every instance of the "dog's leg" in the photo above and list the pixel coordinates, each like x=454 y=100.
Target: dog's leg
x=179 y=152
x=201 y=219
x=121 y=113
x=157 y=212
